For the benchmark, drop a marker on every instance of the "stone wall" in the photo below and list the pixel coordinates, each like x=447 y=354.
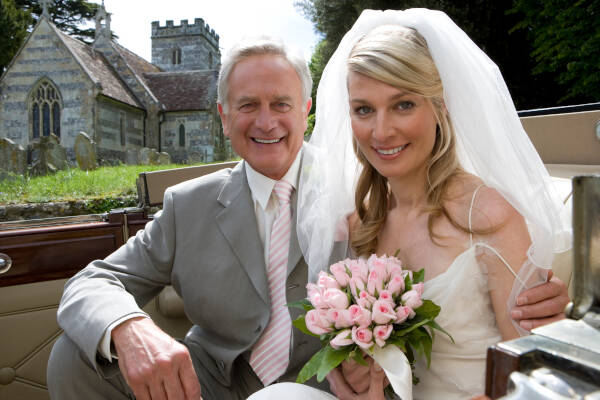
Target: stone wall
x=199 y=46
x=199 y=135
x=45 y=56
x=118 y=123
x=21 y=212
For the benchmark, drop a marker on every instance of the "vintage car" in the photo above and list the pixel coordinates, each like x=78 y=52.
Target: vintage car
x=38 y=256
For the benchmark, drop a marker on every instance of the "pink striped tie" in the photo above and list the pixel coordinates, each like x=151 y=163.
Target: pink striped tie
x=270 y=355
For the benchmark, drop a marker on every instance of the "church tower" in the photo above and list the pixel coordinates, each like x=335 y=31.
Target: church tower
x=185 y=47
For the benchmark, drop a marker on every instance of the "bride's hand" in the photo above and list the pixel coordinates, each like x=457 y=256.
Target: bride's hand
x=372 y=383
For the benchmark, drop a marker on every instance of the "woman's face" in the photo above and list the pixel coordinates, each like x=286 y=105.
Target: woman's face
x=395 y=130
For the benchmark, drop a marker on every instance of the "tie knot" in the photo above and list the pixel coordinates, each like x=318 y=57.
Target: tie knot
x=283 y=191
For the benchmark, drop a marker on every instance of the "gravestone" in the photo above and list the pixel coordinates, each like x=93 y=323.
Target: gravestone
x=164 y=158
x=85 y=152
x=47 y=156
x=148 y=156
x=132 y=157
x=195 y=157
x=13 y=158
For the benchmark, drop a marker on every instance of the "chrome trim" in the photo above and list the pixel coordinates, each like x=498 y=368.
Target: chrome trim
x=5 y=263
x=46 y=222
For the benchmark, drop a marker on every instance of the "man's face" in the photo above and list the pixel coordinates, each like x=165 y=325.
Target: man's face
x=266 y=117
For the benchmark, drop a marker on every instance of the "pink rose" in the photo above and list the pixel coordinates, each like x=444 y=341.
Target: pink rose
x=375 y=283
x=360 y=316
x=412 y=299
x=386 y=295
x=419 y=287
x=357 y=285
x=315 y=296
x=339 y=273
x=317 y=322
x=363 y=337
x=359 y=269
x=344 y=338
x=335 y=298
x=378 y=264
x=394 y=265
x=365 y=300
x=402 y=313
x=326 y=281
x=396 y=284
x=383 y=312
x=381 y=333
x=340 y=318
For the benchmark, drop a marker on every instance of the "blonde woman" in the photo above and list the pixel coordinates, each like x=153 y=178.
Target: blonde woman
x=446 y=176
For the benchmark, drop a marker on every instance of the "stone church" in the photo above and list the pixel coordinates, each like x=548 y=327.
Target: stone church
x=58 y=84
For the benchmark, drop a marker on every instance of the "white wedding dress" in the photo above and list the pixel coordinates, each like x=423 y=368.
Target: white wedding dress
x=457 y=369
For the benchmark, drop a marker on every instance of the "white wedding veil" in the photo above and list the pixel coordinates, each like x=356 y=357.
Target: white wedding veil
x=491 y=144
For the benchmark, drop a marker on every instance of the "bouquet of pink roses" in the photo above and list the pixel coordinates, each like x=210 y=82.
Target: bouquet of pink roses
x=363 y=305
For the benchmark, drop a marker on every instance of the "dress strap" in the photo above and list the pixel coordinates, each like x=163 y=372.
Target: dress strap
x=493 y=250
x=471 y=210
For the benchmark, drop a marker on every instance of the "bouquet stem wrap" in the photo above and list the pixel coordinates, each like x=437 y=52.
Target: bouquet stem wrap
x=396 y=368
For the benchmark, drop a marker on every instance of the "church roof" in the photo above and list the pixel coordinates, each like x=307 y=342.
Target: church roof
x=184 y=90
x=99 y=70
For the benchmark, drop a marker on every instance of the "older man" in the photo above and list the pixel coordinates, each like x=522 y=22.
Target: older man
x=227 y=244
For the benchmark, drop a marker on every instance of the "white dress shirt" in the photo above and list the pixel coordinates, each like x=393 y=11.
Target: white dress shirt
x=265 y=209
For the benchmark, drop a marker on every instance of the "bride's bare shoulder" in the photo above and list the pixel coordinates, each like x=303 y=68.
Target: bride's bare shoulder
x=488 y=209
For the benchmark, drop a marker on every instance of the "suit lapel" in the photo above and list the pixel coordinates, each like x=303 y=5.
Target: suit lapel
x=237 y=223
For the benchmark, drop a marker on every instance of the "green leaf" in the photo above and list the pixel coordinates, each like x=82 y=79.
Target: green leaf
x=331 y=359
x=400 y=342
x=411 y=327
x=357 y=355
x=407 y=283
x=426 y=342
x=300 y=323
x=428 y=310
x=419 y=276
x=303 y=304
x=311 y=367
x=435 y=325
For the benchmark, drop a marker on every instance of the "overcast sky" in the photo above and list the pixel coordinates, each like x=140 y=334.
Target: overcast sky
x=231 y=20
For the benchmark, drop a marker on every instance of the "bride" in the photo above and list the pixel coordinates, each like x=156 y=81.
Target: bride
x=447 y=177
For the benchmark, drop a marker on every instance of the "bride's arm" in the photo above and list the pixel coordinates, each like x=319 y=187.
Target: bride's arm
x=504 y=249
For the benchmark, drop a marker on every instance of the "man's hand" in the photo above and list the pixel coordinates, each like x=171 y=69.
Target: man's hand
x=358 y=382
x=154 y=364
x=542 y=304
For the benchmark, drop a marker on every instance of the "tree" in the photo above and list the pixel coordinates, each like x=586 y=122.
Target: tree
x=485 y=21
x=13 y=30
x=566 y=42
x=68 y=15
x=18 y=17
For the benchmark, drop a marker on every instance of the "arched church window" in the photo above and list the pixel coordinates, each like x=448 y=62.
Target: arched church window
x=181 y=135
x=45 y=109
x=176 y=56
x=35 y=117
x=46 y=119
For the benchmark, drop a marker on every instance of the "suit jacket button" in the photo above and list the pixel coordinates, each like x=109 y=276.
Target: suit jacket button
x=258 y=329
x=221 y=365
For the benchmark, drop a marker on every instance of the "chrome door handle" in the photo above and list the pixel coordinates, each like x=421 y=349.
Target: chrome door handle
x=5 y=263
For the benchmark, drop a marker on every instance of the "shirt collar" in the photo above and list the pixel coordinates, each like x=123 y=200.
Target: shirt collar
x=262 y=186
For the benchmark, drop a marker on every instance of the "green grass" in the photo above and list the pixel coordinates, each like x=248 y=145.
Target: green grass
x=75 y=184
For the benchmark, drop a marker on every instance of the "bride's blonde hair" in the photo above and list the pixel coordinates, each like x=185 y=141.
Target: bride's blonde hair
x=399 y=56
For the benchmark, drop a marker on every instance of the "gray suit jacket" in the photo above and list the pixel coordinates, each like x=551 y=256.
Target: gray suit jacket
x=205 y=243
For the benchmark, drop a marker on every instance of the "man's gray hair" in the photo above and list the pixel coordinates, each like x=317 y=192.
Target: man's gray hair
x=258 y=46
